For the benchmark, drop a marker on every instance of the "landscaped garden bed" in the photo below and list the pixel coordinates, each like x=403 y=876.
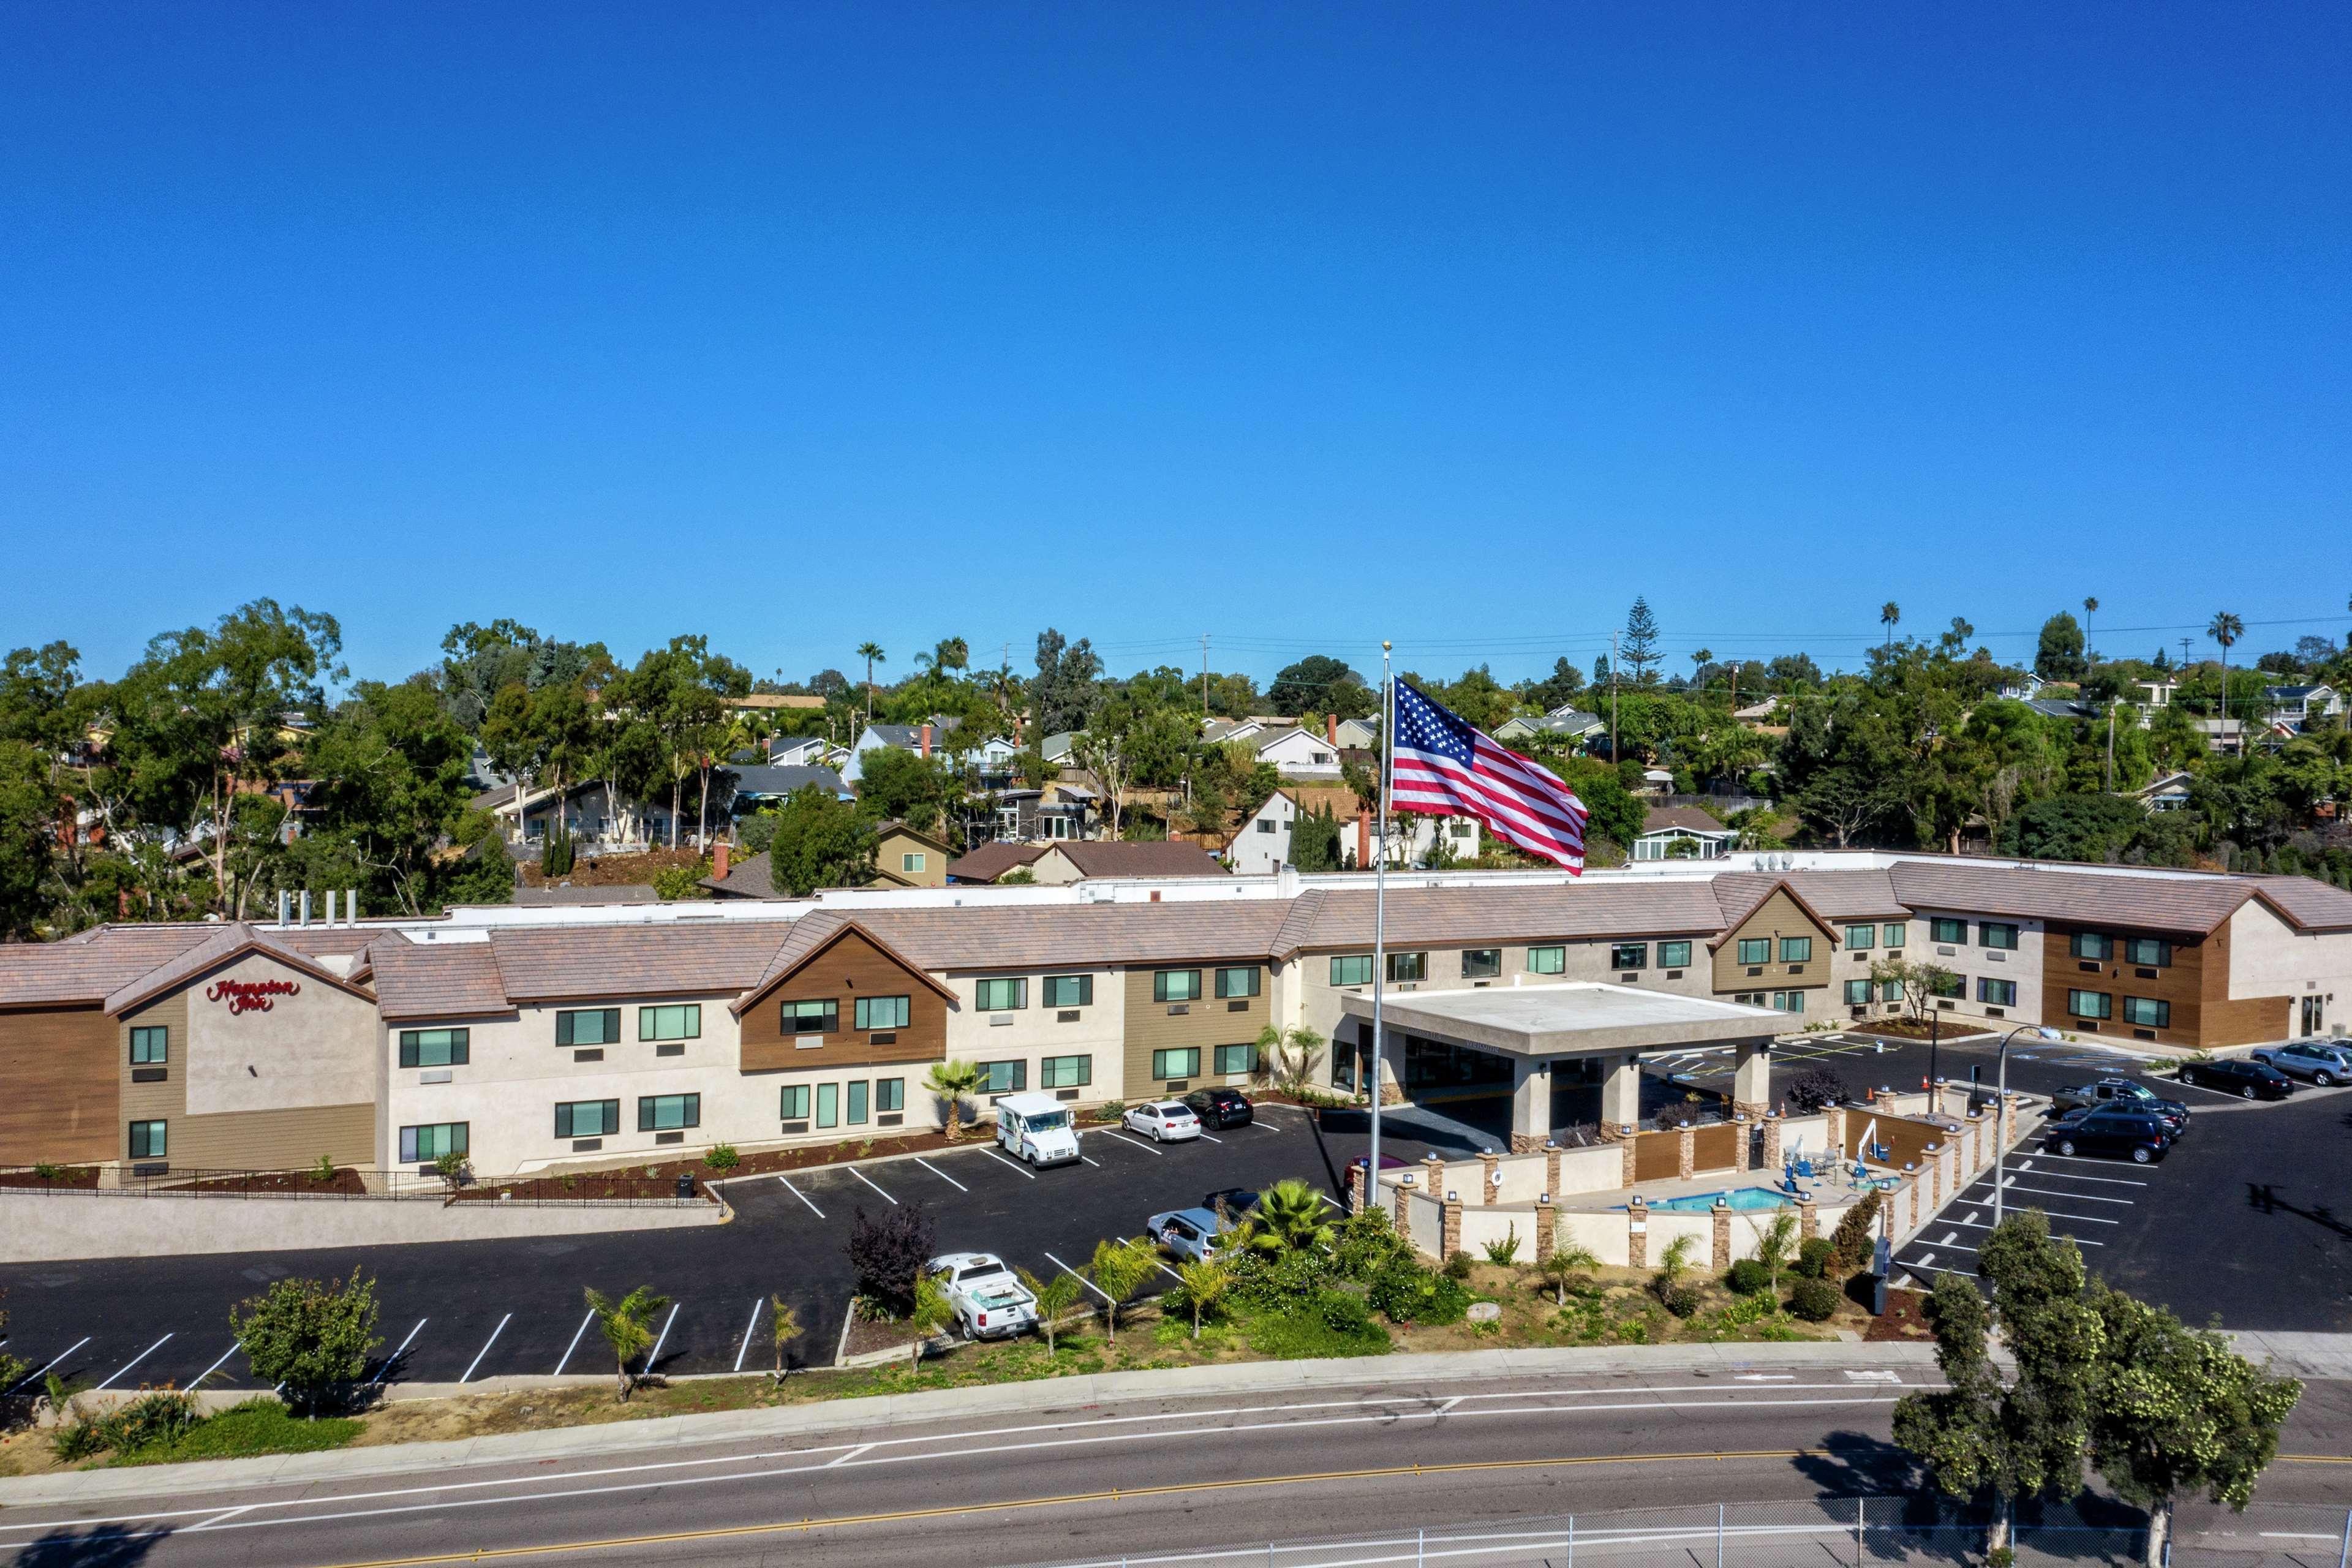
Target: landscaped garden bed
x=51 y=1176
x=343 y=1182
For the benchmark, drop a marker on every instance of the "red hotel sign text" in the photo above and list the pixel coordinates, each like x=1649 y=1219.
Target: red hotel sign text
x=249 y=995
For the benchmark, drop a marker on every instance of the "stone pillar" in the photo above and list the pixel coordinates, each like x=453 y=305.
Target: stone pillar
x=1359 y=1183
x=1751 y=1079
x=1637 y=1235
x=1551 y=1167
x=1546 y=1218
x=1935 y=1098
x=1531 y=1106
x=1449 y=1230
x=1686 y=1151
x=1719 y=1217
x=1933 y=1154
x=1626 y=1180
x=1911 y=1187
x=1772 y=1154
x=1404 y=1211
x=1621 y=1097
x=1489 y=1165
x=1743 y=1154
x=1952 y=1181
x=1432 y=1176
x=1833 y=1132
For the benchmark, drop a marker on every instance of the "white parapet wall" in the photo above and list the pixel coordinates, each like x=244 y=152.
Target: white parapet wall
x=54 y=1226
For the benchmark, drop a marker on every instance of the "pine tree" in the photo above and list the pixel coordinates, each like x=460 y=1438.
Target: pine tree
x=1639 y=650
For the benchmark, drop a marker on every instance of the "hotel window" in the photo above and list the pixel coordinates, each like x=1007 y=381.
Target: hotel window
x=890 y=1094
x=1066 y=1072
x=1796 y=950
x=1890 y=991
x=1482 y=962
x=1185 y=1062
x=1003 y=1078
x=151 y=1047
x=677 y=1022
x=1546 y=961
x=1789 y=1001
x=2147 y=951
x=1629 y=955
x=810 y=1017
x=2089 y=1003
x=150 y=1140
x=1997 y=934
x=1673 y=955
x=1754 y=950
x=857 y=1116
x=587 y=1117
x=1354 y=969
x=2091 y=944
x=1942 y=930
x=828 y=1105
x=1857 y=992
x=2147 y=1012
x=419 y=1145
x=667 y=1112
x=1408 y=966
x=433 y=1047
x=793 y=1104
x=1944 y=983
x=1236 y=1058
x=1234 y=983
x=1069 y=990
x=596 y=1026
x=1860 y=939
x=880 y=1012
x=911 y=862
x=1997 y=993
x=1894 y=932
x=1003 y=995
x=1175 y=986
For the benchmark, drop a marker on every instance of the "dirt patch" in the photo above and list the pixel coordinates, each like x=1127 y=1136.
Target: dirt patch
x=76 y=1176
x=1912 y=1029
x=1903 y=1319
x=346 y=1182
x=595 y=1187
x=867 y=1336
x=612 y=871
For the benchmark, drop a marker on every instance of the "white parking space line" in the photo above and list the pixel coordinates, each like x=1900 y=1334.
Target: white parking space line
x=2010 y=1185
x=802 y=1195
x=213 y=1368
x=653 y=1355
x=1096 y=1163
x=1076 y=1276
x=861 y=1177
x=384 y=1371
x=943 y=1175
x=127 y=1365
x=1123 y=1138
x=1157 y=1262
x=1263 y=1126
x=2071 y=1218
x=1030 y=1175
x=1212 y=1137
x=746 y=1347
x=52 y=1362
x=487 y=1343
x=573 y=1345
x=2076 y=1175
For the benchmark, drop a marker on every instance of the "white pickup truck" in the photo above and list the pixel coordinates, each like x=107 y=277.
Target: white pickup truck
x=1036 y=1128
x=988 y=1299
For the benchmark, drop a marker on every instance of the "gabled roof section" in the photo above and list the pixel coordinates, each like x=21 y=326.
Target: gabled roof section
x=1737 y=908
x=1107 y=857
x=564 y=964
x=1464 y=916
x=987 y=862
x=420 y=980
x=2307 y=903
x=2074 y=895
x=229 y=943
x=85 y=968
x=1299 y=923
x=811 y=936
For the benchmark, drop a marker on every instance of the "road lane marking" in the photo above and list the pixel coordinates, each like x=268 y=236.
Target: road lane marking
x=52 y=1362
x=485 y=1349
x=860 y=1176
x=655 y=1354
x=1022 y=1169
x=127 y=1365
x=746 y=1349
x=943 y=1175
x=1078 y=1277
x=851 y=1454
x=802 y=1195
x=575 y=1344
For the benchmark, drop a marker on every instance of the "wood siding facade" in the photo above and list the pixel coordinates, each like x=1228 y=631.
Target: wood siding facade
x=1778 y=916
x=849 y=967
x=60 y=1096
x=2196 y=984
x=1206 y=1022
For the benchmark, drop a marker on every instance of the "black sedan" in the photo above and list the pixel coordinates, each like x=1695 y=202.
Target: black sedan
x=1220 y=1108
x=2254 y=1080
x=2128 y=1134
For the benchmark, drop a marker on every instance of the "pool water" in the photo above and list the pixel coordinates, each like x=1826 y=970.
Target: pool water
x=1737 y=1197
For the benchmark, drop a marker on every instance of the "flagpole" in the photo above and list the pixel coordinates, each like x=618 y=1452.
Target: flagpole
x=1381 y=920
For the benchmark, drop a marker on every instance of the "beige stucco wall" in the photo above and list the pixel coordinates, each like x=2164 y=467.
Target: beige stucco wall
x=1971 y=960
x=2269 y=957
x=312 y=1048
x=1032 y=1032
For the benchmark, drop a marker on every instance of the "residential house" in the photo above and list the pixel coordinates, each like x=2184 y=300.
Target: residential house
x=986 y=863
x=2169 y=793
x=1682 y=831
x=1080 y=861
x=751 y=787
x=2292 y=707
x=806 y=752
x=1263 y=843
x=1060 y=748
x=1356 y=734
x=1561 y=724
x=925 y=739
x=905 y=856
x=1299 y=753
x=1057 y=812
x=773 y=702
x=591 y=815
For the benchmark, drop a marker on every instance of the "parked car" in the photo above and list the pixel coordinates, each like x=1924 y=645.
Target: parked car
x=1190 y=1234
x=2323 y=1062
x=1162 y=1120
x=988 y=1299
x=1036 y=1128
x=2128 y=1094
x=2254 y=1080
x=1238 y=1201
x=2134 y=1135
x=1220 y=1108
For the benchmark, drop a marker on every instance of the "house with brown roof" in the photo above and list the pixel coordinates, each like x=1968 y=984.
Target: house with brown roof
x=1682 y=831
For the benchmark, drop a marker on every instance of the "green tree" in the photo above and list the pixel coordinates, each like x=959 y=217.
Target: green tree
x=820 y=842
x=871 y=652
x=1568 y=1262
x=953 y=1082
x=783 y=1329
x=29 y=807
x=1290 y=1057
x=2059 y=656
x=1315 y=841
x=2225 y=628
x=929 y=1314
x=1289 y=1218
x=1117 y=1268
x=390 y=768
x=1066 y=686
x=1056 y=1296
x=1776 y=1245
x=1324 y=684
x=1889 y=615
x=907 y=786
x=627 y=1327
x=1204 y=1282
x=2095 y=829
x=311 y=1337
x=1639 y=648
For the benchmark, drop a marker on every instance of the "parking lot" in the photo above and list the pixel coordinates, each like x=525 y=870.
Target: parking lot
x=464 y=1312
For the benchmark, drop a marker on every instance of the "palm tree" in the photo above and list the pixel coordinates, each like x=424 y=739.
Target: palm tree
x=2090 y=608
x=1889 y=613
x=953 y=1081
x=1699 y=662
x=1116 y=1269
x=1205 y=1282
x=628 y=1326
x=1289 y=1218
x=1055 y=1298
x=1566 y=1261
x=871 y=652
x=783 y=1328
x=2225 y=628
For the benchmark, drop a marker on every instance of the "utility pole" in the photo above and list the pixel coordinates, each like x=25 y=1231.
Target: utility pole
x=1205 y=677
x=2111 y=746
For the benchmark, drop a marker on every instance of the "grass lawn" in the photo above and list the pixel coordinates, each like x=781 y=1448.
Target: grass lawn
x=256 y=1427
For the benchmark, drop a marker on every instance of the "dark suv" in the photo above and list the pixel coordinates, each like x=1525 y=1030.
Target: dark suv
x=1221 y=1107
x=2254 y=1080
x=2130 y=1134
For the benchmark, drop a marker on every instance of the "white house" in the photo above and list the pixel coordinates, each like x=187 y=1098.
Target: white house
x=1263 y=844
x=1300 y=753
x=805 y=752
x=1680 y=831
x=2169 y=793
x=1561 y=723
x=1357 y=735
x=2294 y=707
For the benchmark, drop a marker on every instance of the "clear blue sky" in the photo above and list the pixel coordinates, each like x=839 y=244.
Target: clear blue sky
x=800 y=324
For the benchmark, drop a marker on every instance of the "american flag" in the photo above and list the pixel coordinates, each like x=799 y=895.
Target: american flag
x=1442 y=766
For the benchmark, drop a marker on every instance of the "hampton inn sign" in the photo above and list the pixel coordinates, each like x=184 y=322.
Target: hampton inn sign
x=250 y=995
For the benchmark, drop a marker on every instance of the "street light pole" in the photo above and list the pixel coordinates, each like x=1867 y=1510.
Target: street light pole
x=2001 y=1116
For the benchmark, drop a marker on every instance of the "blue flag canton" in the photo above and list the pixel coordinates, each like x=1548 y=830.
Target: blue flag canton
x=1424 y=726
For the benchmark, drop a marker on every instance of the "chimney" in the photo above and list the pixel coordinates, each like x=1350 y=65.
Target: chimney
x=330 y=906
x=927 y=740
x=1363 y=839
x=718 y=862
x=1331 y=730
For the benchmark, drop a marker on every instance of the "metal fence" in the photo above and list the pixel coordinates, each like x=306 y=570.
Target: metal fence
x=1826 y=1532
x=568 y=1190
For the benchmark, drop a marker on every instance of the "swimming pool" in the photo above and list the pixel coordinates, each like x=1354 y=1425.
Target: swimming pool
x=1737 y=1197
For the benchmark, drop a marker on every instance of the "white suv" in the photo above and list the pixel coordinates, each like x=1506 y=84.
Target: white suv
x=1163 y=1121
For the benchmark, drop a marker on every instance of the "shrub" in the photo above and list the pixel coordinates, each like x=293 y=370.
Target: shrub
x=1366 y=1246
x=324 y=1170
x=1850 y=1243
x=1680 y=1300
x=887 y=1253
x=313 y=1337
x=1457 y=1267
x=1344 y=1312
x=47 y=1171
x=1275 y=1282
x=1109 y=1110
x=722 y=1157
x=1405 y=1292
x=1811 y=1089
x=1506 y=1252
x=77 y=1440
x=1813 y=1256
x=1748 y=1277
x=1813 y=1300
x=154 y=1419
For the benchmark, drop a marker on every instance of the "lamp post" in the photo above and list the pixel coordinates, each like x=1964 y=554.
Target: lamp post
x=2000 y=1117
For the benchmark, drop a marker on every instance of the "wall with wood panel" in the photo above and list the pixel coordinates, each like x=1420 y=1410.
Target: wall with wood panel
x=59 y=1095
x=851 y=967
x=1778 y=916
x=1208 y=1022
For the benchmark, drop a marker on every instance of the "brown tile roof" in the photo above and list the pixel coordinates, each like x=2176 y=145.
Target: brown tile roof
x=225 y=943
x=2309 y=904
x=752 y=879
x=990 y=861
x=1689 y=816
x=1832 y=895
x=2175 y=903
x=556 y=964
x=1439 y=917
x=86 y=967
x=417 y=980
x=1119 y=858
x=1047 y=936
